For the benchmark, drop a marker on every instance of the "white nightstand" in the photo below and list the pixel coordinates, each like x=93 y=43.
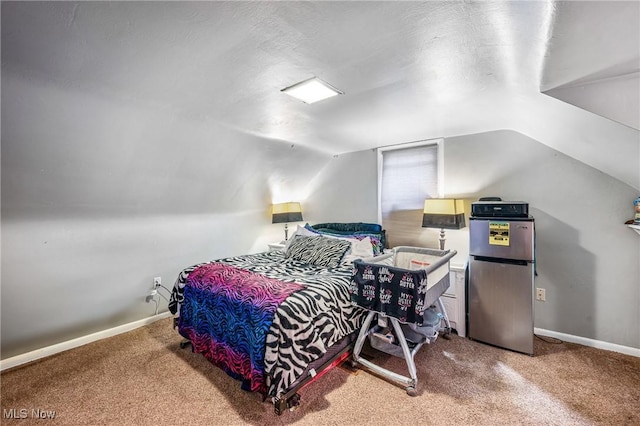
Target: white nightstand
x=454 y=298
x=276 y=246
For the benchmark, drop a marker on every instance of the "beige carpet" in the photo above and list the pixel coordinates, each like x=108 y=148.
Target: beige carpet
x=144 y=378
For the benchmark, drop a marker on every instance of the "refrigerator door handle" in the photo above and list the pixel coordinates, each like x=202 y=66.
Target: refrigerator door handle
x=499 y=260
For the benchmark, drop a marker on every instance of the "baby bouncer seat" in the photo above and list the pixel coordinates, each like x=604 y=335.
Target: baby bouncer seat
x=401 y=290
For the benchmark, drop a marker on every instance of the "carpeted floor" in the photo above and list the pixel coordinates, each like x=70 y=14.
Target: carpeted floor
x=143 y=378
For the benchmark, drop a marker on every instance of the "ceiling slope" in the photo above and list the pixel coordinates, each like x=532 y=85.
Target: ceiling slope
x=604 y=75
x=409 y=70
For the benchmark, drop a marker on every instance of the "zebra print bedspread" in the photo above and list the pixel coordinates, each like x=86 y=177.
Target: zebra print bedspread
x=307 y=322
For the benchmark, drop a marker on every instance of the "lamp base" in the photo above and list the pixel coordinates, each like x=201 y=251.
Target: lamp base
x=441 y=239
x=286 y=232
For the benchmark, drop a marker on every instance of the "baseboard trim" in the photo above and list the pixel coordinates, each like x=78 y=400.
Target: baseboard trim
x=74 y=343
x=627 y=350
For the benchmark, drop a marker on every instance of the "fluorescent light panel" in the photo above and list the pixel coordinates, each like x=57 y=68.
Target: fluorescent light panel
x=312 y=90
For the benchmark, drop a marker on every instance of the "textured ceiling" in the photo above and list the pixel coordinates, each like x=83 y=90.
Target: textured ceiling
x=409 y=70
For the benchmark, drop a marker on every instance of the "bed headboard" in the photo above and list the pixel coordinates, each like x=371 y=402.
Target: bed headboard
x=346 y=228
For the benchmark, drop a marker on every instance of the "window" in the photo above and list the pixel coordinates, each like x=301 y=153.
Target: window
x=407 y=175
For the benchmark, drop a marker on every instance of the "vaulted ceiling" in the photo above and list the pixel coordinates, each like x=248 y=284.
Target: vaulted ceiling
x=409 y=70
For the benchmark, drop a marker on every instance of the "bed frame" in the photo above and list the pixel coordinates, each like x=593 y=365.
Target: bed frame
x=335 y=355
x=341 y=351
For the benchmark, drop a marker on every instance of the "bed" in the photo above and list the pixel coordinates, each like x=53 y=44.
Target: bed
x=276 y=320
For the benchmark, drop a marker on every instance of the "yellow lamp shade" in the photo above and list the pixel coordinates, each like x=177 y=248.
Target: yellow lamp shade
x=286 y=212
x=447 y=213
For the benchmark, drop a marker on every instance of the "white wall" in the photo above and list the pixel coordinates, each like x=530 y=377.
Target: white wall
x=346 y=190
x=100 y=195
x=587 y=259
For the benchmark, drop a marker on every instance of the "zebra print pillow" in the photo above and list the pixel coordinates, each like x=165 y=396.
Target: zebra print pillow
x=318 y=251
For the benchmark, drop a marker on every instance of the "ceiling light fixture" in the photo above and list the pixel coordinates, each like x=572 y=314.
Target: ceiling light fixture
x=312 y=90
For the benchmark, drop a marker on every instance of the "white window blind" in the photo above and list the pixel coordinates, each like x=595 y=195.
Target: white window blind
x=408 y=177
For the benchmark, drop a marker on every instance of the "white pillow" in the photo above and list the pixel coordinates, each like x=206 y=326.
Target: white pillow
x=360 y=249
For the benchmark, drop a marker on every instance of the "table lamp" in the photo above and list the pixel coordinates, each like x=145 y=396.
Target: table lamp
x=443 y=213
x=286 y=212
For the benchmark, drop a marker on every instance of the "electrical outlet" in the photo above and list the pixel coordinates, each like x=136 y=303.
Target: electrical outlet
x=157 y=282
x=541 y=294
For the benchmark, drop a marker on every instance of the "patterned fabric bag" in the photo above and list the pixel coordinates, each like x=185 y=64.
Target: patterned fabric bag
x=396 y=292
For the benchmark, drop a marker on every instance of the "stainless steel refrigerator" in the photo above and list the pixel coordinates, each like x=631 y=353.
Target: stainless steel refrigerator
x=501 y=275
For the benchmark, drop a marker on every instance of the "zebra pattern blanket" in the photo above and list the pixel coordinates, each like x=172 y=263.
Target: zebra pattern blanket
x=306 y=322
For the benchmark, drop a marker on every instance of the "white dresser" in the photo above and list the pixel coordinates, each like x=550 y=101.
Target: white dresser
x=454 y=298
